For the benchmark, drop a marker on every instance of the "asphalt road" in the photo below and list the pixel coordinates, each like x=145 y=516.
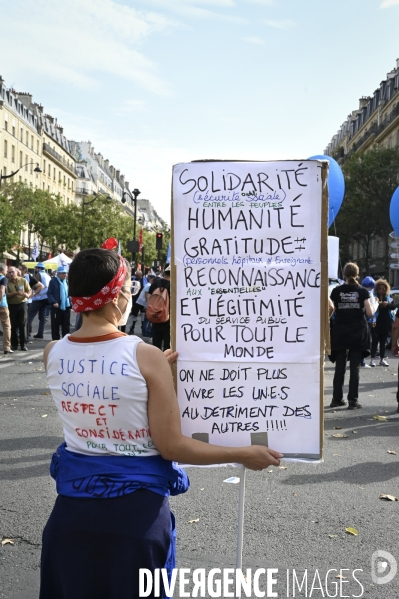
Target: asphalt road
x=295 y=518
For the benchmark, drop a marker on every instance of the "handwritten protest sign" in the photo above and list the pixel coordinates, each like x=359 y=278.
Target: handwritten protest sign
x=249 y=310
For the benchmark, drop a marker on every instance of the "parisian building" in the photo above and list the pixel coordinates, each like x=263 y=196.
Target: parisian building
x=374 y=123
x=97 y=176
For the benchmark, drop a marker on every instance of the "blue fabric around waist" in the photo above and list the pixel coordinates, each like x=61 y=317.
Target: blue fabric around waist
x=79 y=475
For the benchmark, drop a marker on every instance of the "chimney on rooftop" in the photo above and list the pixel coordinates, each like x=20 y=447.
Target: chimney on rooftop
x=363 y=101
x=25 y=98
x=49 y=118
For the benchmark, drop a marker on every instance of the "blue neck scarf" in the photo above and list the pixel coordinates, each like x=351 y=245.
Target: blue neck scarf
x=65 y=303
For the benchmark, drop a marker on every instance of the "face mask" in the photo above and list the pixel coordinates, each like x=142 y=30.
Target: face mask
x=124 y=317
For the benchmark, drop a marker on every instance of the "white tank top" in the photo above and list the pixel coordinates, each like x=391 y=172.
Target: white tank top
x=101 y=397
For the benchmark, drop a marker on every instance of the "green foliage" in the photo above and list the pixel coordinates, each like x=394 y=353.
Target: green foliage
x=370 y=179
x=102 y=219
x=150 y=253
x=58 y=225
x=14 y=203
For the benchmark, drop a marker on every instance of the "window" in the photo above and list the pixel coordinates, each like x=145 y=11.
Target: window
x=26 y=162
x=48 y=188
x=68 y=201
x=37 y=146
x=12 y=153
x=64 y=180
x=31 y=142
x=22 y=134
x=6 y=125
x=44 y=167
x=31 y=168
x=4 y=170
x=44 y=187
x=49 y=170
x=13 y=130
x=27 y=138
x=72 y=185
x=54 y=174
x=5 y=148
x=20 y=178
x=69 y=183
x=20 y=159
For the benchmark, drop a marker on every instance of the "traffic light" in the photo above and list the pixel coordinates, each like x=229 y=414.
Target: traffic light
x=158 y=241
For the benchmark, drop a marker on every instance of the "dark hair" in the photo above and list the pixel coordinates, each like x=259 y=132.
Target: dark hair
x=91 y=269
x=351 y=273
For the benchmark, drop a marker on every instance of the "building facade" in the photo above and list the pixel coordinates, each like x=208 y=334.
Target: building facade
x=148 y=217
x=97 y=176
x=20 y=140
x=374 y=123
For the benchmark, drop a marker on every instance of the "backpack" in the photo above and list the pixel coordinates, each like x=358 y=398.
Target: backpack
x=158 y=306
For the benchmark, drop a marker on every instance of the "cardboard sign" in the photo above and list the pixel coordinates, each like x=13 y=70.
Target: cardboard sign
x=249 y=302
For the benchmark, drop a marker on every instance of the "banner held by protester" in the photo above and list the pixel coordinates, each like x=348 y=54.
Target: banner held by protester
x=249 y=312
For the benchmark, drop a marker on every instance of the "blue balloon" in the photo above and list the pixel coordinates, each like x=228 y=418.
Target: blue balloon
x=336 y=187
x=394 y=211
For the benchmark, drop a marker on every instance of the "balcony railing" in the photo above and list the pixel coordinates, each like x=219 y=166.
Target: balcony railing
x=60 y=159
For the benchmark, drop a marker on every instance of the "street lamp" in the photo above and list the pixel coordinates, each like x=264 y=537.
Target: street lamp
x=84 y=204
x=36 y=170
x=133 y=198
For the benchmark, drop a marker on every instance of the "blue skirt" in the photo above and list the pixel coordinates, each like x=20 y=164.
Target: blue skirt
x=94 y=548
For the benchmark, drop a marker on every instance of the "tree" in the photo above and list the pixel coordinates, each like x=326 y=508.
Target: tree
x=150 y=253
x=14 y=204
x=102 y=219
x=67 y=228
x=370 y=178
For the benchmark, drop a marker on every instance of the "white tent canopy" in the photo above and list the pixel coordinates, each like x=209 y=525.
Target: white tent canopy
x=61 y=260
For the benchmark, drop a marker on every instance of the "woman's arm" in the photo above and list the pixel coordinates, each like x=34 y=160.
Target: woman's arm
x=46 y=353
x=370 y=309
x=164 y=421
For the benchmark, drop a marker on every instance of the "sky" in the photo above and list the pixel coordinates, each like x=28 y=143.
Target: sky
x=152 y=83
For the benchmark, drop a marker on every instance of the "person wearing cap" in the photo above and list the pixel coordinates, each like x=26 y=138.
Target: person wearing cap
x=369 y=283
x=58 y=298
x=161 y=330
x=116 y=469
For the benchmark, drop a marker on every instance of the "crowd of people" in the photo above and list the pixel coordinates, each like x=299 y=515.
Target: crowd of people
x=24 y=295
x=363 y=319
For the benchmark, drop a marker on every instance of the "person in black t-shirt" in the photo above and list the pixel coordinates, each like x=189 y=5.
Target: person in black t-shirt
x=349 y=334
x=161 y=330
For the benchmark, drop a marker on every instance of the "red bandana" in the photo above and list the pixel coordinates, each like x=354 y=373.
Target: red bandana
x=104 y=296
